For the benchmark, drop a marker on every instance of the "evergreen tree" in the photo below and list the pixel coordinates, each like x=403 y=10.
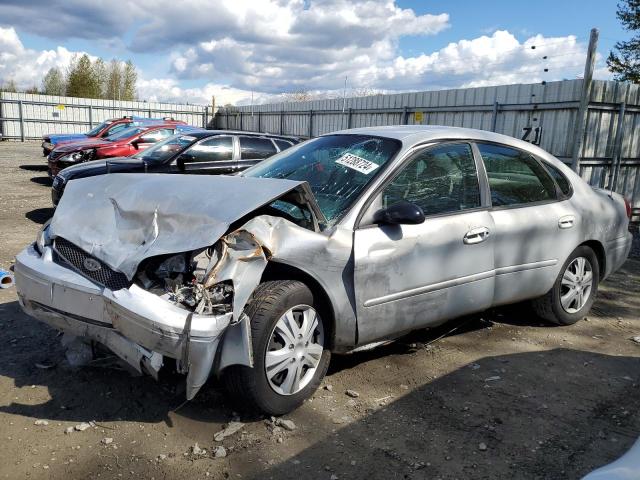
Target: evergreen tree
x=129 y=79
x=624 y=62
x=81 y=79
x=53 y=82
x=100 y=77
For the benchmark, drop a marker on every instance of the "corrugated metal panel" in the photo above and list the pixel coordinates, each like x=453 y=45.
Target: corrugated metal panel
x=41 y=114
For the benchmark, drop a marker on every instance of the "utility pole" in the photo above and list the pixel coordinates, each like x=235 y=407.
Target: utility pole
x=585 y=96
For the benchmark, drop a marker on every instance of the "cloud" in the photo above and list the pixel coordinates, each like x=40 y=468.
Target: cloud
x=25 y=66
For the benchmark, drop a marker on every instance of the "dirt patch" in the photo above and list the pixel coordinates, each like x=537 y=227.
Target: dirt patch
x=502 y=396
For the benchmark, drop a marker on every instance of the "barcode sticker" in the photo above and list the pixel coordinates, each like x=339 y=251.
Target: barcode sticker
x=357 y=163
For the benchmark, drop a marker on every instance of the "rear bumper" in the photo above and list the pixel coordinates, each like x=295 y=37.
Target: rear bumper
x=137 y=325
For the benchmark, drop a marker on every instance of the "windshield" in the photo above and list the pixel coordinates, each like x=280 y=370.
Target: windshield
x=96 y=130
x=165 y=149
x=126 y=133
x=337 y=168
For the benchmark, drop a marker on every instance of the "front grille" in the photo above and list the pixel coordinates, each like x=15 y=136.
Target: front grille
x=68 y=253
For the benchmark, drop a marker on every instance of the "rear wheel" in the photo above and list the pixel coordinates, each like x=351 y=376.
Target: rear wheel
x=290 y=358
x=574 y=291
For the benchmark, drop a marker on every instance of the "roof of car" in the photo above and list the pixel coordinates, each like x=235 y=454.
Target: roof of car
x=413 y=134
x=207 y=133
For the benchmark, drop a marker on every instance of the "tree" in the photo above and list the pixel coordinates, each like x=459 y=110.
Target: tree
x=113 y=86
x=32 y=90
x=100 y=76
x=53 y=82
x=81 y=79
x=10 y=87
x=624 y=62
x=129 y=79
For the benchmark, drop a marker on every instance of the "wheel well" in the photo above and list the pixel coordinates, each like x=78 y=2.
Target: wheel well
x=598 y=249
x=281 y=271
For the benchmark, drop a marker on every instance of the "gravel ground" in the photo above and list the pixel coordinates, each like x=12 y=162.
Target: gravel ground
x=500 y=396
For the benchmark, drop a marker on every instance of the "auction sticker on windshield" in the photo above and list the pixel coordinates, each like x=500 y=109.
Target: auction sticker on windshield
x=357 y=163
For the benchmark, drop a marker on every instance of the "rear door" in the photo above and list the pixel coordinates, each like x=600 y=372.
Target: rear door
x=413 y=276
x=213 y=155
x=535 y=229
x=253 y=150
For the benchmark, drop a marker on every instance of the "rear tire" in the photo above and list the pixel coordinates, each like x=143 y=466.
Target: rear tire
x=290 y=359
x=574 y=291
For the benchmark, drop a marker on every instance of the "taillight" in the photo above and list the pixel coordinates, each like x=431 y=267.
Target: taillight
x=627 y=205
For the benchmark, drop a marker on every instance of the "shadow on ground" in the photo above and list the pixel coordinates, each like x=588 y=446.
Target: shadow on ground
x=40 y=215
x=34 y=168
x=44 y=181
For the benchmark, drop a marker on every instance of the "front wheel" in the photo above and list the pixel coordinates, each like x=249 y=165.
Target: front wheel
x=290 y=359
x=574 y=291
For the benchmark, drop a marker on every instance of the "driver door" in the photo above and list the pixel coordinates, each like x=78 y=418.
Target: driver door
x=213 y=155
x=148 y=139
x=414 y=276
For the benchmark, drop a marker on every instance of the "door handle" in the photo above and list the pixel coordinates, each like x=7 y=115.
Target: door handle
x=476 y=235
x=566 y=221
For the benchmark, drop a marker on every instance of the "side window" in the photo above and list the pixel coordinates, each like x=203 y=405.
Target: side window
x=515 y=177
x=115 y=129
x=439 y=180
x=254 y=147
x=215 y=149
x=282 y=144
x=156 y=135
x=561 y=180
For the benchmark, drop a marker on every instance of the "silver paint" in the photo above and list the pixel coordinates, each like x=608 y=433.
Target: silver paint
x=380 y=281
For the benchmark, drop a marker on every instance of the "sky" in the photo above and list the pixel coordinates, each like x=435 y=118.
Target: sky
x=236 y=50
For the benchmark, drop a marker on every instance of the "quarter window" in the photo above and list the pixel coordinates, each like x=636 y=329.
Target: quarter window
x=254 y=147
x=515 y=177
x=214 y=149
x=283 y=144
x=438 y=180
x=561 y=180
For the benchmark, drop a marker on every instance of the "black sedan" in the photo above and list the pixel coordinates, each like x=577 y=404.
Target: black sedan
x=206 y=151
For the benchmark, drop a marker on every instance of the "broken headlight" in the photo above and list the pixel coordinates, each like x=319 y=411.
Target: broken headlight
x=81 y=156
x=43 y=239
x=179 y=279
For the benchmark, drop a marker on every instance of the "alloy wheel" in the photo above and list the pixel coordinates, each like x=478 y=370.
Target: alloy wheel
x=576 y=284
x=294 y=350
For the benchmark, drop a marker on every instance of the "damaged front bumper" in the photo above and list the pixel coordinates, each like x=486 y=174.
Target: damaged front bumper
x=137 y=325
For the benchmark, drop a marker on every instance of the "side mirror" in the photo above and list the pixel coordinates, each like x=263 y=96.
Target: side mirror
x=135 y=143
x=400 y=213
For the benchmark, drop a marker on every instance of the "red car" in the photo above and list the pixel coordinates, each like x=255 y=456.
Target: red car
x=105 y=129
x=124 y=143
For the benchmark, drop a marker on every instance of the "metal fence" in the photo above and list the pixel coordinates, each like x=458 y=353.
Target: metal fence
x=25 y=116
x=544 y=114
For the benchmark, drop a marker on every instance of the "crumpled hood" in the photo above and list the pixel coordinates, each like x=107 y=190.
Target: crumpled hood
x=123 y=218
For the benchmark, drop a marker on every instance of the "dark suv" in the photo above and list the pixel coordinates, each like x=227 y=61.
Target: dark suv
x=203 y=151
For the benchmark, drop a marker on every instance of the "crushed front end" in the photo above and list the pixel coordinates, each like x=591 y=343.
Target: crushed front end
x=173 y=307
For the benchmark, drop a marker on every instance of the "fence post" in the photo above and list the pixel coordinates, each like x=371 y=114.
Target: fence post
x=281 y=122
x=349 y=112
x=405 y=115
x=494 y=116
x=205 y=116
x=21 y=120
x=90 y=117
x=585 y=99
x=241 y=121
x=149 y=112
x=617 y=153
x=310 y=123
x=259 y=122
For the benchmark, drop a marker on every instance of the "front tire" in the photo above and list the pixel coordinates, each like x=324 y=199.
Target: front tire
x=574 y=291
x=289 y=341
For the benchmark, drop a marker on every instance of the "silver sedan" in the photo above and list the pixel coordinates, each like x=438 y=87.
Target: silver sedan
x=341 y=242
